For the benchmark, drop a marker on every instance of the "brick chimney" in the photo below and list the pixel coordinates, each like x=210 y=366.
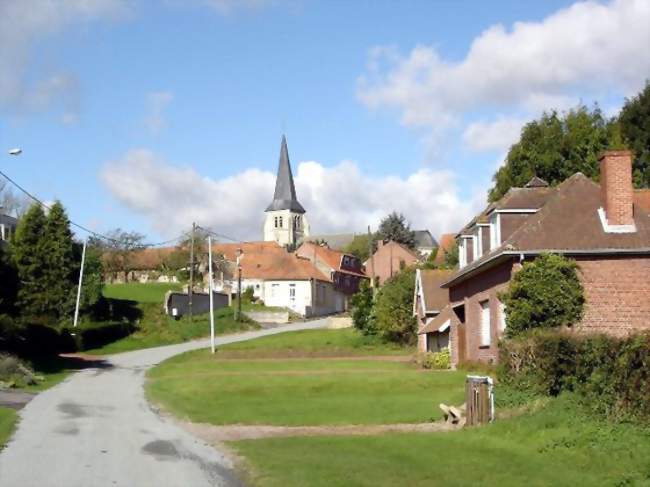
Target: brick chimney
x=616 y=187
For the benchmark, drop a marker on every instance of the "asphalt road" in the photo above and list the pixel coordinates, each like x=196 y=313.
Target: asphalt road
x=97 y=429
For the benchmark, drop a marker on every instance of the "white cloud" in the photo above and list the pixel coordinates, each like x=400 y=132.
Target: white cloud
x=22 y=25
x=586 y=51
x=337 y=199
x=157 y=102
x=497 y=135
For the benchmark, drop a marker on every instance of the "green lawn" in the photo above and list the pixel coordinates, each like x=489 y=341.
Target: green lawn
x=155 y=329
x=556 y=446
x=151 y=292
x=8 y=419
x=241 y=385
x=313 y=343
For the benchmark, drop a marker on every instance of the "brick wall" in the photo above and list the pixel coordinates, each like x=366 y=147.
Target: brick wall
x=617 y=292
x=471 y=293
x=388 y=261
x=616 y=186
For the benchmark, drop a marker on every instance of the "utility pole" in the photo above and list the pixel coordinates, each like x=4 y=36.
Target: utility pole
x=239 y=252
x=81 y=277
x=372 y=260
x=191 y=289
x=211 y=293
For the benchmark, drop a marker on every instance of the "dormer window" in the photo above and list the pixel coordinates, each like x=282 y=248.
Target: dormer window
x=495 y=230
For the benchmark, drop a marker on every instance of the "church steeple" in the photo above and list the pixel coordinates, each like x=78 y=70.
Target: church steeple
x=284 y=197
x=285 y=221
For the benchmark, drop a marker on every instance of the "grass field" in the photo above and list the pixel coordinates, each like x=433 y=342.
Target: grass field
x=557 y=446
x=8 y=419
x=151 y=292
x=149 y=326
x=241 y=384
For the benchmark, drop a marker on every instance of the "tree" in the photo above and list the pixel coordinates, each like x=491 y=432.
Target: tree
x=545 y=293
x=93 y=281
x=555 y=147
x=362 y=309
x=119 y=251
x=451 y=256
x=634 y=123
x=62 y=267
x=10 y=203
x=394 y=308
x=360 y=246
x=395 y=227
x=8 y=282
x=30 y=258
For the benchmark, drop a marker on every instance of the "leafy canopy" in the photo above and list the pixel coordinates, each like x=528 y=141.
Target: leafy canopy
x=360 y=246
x=555 y=147
x=362 y=309
x=395 y=227
x=545 y=293
x=634 y=123
x=394 y=308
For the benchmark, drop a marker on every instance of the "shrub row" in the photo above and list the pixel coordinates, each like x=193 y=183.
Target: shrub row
x=611 y=374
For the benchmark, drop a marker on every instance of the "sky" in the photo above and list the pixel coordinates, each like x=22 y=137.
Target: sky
x=149 y=115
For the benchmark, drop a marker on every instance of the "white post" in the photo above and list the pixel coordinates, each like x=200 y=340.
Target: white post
x=211 y=293
x=81 y=277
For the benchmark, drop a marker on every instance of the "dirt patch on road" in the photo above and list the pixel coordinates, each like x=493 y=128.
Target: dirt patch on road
x=218 y=434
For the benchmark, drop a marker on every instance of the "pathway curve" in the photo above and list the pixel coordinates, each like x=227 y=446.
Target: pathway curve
x=97 y=429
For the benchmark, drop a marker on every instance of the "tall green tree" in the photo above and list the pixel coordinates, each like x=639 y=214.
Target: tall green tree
x=395 y=227
x=8 y=282
x=634 y=123
x=62 y=269
x=555 y=147
x=361 y=245
x=30 y=258
x=393 y=308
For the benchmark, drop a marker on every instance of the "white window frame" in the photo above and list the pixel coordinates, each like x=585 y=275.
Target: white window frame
x=486 y=324
x=495 y=230
x=462 y=255
x=475 y=255
x=274 y=290
x=502 y=317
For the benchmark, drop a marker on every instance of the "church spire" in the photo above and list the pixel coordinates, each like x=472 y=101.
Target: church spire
x=284 y=197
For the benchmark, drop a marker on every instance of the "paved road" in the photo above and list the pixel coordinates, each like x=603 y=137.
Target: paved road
x=97 y=429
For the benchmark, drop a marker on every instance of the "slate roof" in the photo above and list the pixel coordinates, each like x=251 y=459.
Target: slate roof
x=424 y=239
x=435 y=297
x=335 y=241
x=569 y=223
x=284 y=197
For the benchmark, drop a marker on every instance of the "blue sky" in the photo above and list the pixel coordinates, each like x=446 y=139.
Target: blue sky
x=149 y=115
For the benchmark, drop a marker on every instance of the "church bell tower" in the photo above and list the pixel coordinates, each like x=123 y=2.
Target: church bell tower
x=285 y=222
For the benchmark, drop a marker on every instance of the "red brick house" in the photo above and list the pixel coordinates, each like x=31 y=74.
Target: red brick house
x=605 y=228
x=390 y=258
x=429 y=301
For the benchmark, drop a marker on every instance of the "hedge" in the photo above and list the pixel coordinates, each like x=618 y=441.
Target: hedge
x=611 y=374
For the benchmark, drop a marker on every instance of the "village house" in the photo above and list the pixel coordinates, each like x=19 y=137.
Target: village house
x=605 y=228
x=8 y=226
x=428 y=302
x=345 y=270
x=389 y=259
x=446 y=244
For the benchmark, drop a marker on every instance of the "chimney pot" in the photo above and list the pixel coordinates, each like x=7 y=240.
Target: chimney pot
x=616 y=187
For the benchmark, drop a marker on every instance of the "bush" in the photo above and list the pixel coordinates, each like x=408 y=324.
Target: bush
x=15 y=373
x=362 y=309
x=434 y=360
x=394 y=308
x=545 y=293
x=610 y=374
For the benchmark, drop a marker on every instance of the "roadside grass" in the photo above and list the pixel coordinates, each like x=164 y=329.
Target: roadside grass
x=557 y=445
x=253 y=383
x=156 y=329
x=150 y=292
x=313 y=343
x=8 y=420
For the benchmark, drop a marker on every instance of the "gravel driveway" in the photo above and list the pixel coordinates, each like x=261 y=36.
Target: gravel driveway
x=97 y=429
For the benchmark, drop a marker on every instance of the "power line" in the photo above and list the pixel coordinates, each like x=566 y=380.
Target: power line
x=219 y=235
x=81 y=227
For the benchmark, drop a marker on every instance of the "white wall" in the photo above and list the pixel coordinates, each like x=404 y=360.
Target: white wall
x=277 y=293
x=284 y=235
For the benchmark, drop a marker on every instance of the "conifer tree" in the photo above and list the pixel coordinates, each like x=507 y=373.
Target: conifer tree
x=62 y=270
x=29 y=256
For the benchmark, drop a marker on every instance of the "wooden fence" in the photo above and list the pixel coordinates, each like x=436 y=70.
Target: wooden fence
x=479 y=400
